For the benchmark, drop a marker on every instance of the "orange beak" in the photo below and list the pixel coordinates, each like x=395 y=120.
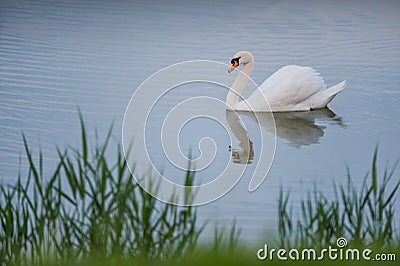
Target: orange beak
x=234 y=65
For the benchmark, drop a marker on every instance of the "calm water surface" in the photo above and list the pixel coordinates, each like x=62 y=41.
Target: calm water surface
x=56 y=57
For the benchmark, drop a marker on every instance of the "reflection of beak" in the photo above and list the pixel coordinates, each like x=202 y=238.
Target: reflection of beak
x=234 y=65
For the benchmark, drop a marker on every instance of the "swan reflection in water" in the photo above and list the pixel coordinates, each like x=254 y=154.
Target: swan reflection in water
x=298 y=128
x=245 y=154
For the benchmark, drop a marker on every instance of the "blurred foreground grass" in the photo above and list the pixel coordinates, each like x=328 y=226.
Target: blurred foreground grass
x=90 y=211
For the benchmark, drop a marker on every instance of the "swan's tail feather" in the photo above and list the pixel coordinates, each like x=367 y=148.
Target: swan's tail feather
x=322 y=98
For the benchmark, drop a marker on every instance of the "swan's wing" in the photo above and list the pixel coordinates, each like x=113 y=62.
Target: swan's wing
x=288 y=88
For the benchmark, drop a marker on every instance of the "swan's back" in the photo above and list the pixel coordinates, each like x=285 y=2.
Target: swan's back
x=292 y=88
x=289 y=87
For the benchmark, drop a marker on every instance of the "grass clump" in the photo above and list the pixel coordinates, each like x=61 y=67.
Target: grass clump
x=89 y=208
x=364 y=216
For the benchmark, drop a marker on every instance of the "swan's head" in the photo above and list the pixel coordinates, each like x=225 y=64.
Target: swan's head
x=241 y=58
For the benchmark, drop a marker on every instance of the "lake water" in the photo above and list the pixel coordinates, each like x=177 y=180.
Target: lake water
x=56 y=57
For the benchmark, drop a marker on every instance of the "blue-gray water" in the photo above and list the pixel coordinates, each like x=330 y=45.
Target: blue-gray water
x=56 y=57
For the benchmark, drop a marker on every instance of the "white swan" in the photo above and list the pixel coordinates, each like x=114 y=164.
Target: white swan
x=291 y=88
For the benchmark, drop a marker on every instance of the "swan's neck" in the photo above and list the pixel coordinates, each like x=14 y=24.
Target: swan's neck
x=232 y=99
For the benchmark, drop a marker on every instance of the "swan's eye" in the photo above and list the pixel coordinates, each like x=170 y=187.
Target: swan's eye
x=235 y=61
x=235 y=64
